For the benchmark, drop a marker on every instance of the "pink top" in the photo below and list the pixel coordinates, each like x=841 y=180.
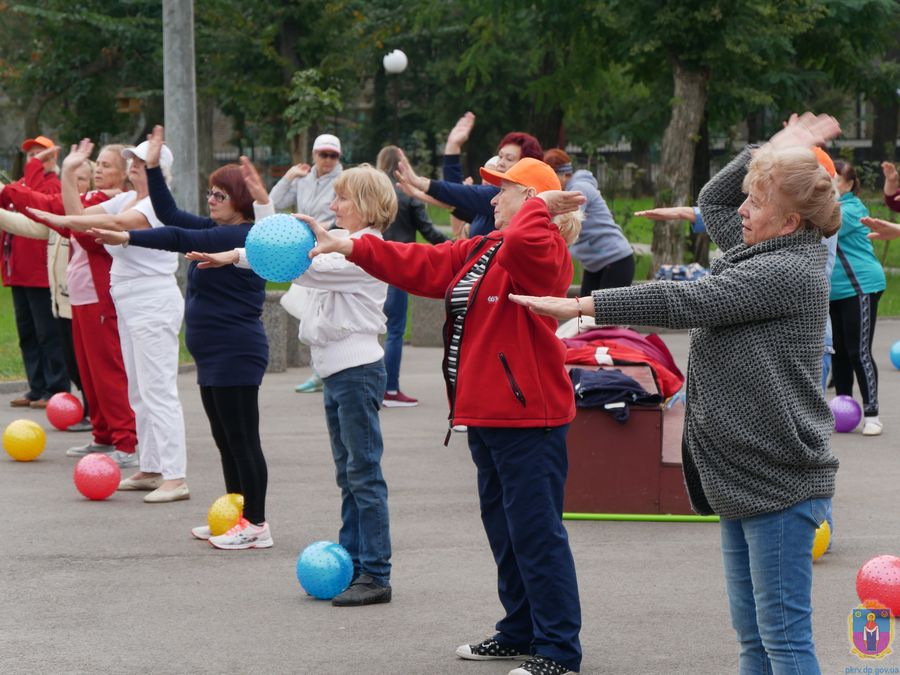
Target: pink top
x=78 y=276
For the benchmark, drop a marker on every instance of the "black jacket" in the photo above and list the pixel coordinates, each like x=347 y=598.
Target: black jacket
x=412 y=216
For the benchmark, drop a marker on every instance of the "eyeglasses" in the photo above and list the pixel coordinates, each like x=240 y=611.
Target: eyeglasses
x=218 y=196
x=328 y=155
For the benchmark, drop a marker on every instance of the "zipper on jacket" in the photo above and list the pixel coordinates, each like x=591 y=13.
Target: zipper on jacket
x=512 y=380
x=451 y=392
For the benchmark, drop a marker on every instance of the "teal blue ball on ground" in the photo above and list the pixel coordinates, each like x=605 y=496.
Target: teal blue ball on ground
x=895 y=354
x=324 y=569
x=278 y=247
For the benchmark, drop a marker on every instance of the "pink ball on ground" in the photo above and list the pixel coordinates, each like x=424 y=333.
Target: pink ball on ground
x=64 y=410
x=879 y=579
x=847 y=413
x=97 y=476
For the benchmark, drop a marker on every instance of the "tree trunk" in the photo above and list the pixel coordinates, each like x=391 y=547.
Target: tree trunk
x=679 y=139
x=699 y=241
x=206 y=162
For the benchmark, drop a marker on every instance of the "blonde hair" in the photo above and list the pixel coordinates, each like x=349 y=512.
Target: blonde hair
x=797 y=183
x=116 y=149
x=371 y=192
x=91 y=166
x=569 y=225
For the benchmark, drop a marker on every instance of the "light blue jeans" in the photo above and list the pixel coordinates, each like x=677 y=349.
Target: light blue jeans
x=352 y=400
x=768 y=575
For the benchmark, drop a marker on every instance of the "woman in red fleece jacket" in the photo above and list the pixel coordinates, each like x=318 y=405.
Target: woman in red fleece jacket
x=506 y=381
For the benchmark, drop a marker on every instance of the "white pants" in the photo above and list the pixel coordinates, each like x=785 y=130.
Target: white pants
x=150 y=310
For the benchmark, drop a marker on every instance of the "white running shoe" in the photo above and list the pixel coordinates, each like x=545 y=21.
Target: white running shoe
x=201 y=532
x=125 y=460
x=244 y=535
x=88 y=448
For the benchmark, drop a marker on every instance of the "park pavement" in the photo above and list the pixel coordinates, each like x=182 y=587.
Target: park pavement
x=121 y=587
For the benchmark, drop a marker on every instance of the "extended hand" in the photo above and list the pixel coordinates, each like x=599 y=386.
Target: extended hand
x=326 y=242
x=47 y=217
x=881 y=229
x=559 y=201
x=113 y=237
x=558 y=308
x=155 y=140
x=253 y=181
x=298 y=171
x=669 y=213
x=459 y=134
x=891 y=180
x=210 y=260
x=78 y=154
x=407 y=177
x=806 y=130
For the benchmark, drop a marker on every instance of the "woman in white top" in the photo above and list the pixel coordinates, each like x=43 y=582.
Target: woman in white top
x=150 y=308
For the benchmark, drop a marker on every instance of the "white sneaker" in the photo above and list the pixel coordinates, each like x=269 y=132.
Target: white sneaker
x=244 y=535
x=873 y=427
x=125 y=460
x=88 y=448
x=201 y=532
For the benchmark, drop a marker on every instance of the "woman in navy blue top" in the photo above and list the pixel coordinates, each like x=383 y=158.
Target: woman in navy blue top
x=223 y=332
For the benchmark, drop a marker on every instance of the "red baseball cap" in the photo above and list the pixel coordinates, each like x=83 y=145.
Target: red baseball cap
x=41 y=141
x=527 y=172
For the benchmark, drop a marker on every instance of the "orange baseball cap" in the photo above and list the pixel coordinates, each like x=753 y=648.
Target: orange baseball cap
x=824 y=160
x=527 y=172
x=42 y=141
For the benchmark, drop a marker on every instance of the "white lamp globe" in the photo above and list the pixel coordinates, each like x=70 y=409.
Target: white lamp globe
x=395 y=62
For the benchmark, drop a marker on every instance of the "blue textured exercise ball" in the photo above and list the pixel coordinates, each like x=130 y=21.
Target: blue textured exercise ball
x=324 y=569
x=278 y=247
x=895 y=354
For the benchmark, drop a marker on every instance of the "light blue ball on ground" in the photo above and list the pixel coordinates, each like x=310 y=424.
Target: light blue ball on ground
x=278 y=247
x=324 y=569
x=895 y=354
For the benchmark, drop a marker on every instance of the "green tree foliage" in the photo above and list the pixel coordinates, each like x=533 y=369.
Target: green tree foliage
x=63 y=63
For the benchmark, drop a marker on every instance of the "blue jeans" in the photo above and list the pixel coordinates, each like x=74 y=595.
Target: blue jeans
x=521 y=480
x=395 y=311
x=768 y=575
x=352 y=399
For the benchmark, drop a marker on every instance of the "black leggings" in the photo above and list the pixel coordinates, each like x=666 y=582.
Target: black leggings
x=615 y=275
x=233 y=414
x=853 y=326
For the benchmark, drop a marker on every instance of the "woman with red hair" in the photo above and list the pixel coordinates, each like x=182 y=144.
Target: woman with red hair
x=223 y=331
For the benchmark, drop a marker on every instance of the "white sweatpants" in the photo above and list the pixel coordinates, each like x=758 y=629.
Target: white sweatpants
x=150 y=311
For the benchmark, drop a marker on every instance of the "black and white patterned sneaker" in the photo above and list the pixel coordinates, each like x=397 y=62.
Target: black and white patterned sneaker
x=489 y=650
x=541 y=665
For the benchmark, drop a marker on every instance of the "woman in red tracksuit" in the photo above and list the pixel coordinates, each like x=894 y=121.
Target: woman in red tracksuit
x=506 y=381
x=94 y=323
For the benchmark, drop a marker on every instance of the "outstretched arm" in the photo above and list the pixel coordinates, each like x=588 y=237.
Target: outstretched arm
x=882 y=230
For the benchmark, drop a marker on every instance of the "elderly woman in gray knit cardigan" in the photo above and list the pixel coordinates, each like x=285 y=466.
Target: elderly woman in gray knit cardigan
x=757 y=428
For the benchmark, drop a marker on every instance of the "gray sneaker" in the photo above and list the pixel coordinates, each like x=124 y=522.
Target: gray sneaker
x=88 y=448
x=125 y=460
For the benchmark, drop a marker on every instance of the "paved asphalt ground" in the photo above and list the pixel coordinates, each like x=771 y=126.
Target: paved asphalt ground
x=120 y=586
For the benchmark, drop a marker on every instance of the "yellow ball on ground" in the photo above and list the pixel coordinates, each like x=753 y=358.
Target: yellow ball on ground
x=24 y=440
x=823 y=538
x=225 y=513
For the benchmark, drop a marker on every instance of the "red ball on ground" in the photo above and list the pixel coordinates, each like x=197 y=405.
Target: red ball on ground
x=879 y=579
x=64 y=410
x=97 y=476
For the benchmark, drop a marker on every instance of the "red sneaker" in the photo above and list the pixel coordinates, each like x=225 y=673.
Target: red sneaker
x=398 y=400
